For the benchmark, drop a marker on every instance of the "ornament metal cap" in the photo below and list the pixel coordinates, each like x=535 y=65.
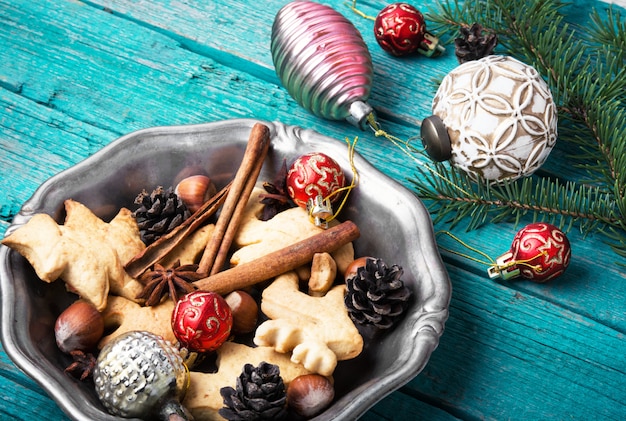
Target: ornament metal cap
x=430 y=46
x=503 y=268
x=435 y=139
x=320 y=209
x=360 y=113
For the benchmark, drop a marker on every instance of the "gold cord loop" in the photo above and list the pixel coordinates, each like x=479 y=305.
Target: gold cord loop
x=318 y=210
x=358 y=12
x=494 y=266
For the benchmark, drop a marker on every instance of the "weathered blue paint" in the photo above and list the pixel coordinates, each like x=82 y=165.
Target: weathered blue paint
x=76 y=75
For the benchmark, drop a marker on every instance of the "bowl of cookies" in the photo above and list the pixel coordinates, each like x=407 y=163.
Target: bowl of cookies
x=239 y=269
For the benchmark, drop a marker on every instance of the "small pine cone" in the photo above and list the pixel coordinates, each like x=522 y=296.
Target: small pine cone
x=260 y=395
x=159 y=213
x=474 y=43
x=376 y=295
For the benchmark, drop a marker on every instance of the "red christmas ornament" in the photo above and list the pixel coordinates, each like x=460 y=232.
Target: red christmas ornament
x=312 y=181
x=539 y=252
x=400 y=30
x=202 y=321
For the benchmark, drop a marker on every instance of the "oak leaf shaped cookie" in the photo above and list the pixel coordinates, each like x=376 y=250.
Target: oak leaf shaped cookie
x=190 y=250
x=203 y=397
x=85 y=252
x=317 y=330
x=256 y=238
x=122 y=315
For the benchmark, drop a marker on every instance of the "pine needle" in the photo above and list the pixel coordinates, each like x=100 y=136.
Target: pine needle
x=586 y=72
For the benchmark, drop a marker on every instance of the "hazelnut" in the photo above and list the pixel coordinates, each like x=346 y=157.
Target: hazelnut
x=310 y=394
x=323 y=273
x=189 y=170
x=195 y=190
x=78 y=327
x=353 y=267
x=245 y=311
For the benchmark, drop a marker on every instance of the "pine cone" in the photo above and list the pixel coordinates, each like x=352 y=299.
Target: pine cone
x=159 y=213
x=260 y=395
x=473 y=44
x=376 y=295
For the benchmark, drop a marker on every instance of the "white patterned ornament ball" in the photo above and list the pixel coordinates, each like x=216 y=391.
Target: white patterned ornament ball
x=500 y=118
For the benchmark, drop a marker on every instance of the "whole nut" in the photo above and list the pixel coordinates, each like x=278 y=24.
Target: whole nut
x=353 y=267
x=78 y=327
x=310 y=394
x=195 y=190
x=245 y=311
x=188 y=171
x=323 y=274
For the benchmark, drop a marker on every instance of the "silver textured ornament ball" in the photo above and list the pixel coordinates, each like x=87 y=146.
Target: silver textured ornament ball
x=322 y=61
x=139 y=374
x=494 y=118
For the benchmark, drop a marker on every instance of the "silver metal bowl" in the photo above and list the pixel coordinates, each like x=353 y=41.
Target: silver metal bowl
x=394 y=225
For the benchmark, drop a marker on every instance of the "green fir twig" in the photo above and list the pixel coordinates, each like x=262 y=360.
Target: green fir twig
x=562 y=203
x=585 y=69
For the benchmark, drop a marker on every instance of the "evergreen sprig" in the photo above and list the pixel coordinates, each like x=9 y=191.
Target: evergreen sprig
x=562 y=203
x=585 y=70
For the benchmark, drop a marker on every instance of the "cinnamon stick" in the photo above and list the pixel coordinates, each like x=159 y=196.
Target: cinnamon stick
x=216 y=251
x=280 y=261
x=157 y=250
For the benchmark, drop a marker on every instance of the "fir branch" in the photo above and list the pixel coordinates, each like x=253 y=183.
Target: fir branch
x=618 y=240
x=610 y=32
x=585 y=70
x=540 y=197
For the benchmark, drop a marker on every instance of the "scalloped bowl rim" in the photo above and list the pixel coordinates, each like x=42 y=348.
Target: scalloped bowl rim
x=423 y=326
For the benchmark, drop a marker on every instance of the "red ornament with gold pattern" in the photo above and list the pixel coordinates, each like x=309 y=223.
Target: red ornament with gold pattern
x=202 y=321
x=540 y=252
x=312 y=183
x=400 y=30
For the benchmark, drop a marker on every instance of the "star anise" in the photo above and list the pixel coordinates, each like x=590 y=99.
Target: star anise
x=160 y=281
x=276 y=199
x=84 y=363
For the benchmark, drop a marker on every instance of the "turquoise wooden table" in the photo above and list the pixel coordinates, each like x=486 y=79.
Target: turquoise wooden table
x=75 y=75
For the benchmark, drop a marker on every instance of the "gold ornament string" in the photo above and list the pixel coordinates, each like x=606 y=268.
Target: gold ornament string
x=490 y=261
x=187 y=377
x=353 y=184
x=409 y=150
x=358 y=12
x=406 y=148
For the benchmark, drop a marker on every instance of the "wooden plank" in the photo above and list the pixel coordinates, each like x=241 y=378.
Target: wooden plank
x=79 y=77
x=22 y=398
x=237 y=34
x=507 y=354
x=146 y=93
x=406 y=406
x=21 y=403
x=36 y=143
